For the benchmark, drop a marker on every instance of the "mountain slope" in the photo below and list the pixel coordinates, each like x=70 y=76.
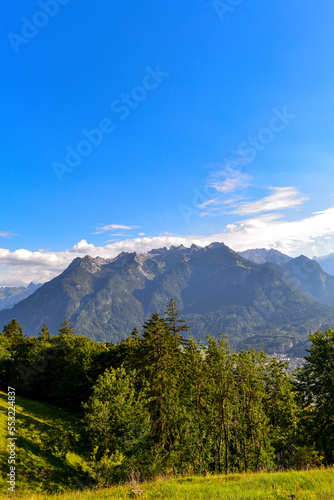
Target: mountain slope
x=327 y=263
x=311 y=278
x=11 y=295
x=216 y=289
x=261 y=256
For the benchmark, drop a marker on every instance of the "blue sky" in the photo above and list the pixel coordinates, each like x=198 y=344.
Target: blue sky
x=188 y=121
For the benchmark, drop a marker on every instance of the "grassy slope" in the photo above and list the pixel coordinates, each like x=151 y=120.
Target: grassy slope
x=36 y=423
x=318 y=484
x=40 y=463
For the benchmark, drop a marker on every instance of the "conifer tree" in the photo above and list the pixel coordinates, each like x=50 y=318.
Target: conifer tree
x=222 y=397
x=45 y=335
x=252 y=428
x=66 y=328
x=196 y=440
x=282 y=409
x=14 y=333
x=175 y=324
x=19 y=347
x=157 y=359
x=315 y=387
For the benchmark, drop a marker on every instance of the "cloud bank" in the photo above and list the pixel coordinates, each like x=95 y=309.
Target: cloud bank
x=310 y=236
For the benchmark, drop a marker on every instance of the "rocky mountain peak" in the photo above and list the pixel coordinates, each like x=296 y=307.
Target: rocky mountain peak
x=263 y=255
x=124 y=258
x=91 y=264
x=216 y=244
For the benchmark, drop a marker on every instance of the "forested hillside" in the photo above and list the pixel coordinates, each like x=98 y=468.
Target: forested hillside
x=162 y=402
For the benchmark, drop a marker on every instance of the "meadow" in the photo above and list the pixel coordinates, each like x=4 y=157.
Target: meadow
x=43 y=466
x=316 y=484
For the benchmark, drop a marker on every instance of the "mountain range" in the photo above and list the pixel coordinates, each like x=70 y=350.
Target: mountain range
x=303 y=273
x=262 y=256
x=216 y=289
x=11 y=295
x=326 y=262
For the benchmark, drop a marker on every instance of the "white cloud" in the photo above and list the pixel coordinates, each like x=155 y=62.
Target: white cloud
x=23 y=266
x=219 y=206
x=310 y=236
x=313 y=235
x=281 y=198
x=111 y=227
x=83 y=246
x=224 y=180
x=229 y=180
x=6 y=234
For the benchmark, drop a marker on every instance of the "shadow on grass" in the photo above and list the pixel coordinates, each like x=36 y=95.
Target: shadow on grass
x=41 y=455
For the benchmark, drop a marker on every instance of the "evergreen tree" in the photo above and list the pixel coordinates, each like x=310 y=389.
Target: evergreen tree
x=158 y=359
x=6 y=359
x=14 y=333
x=65 y=328
x=45 y=335
x=222 y=385
x=175 y=324
x=282 y=410
x=253 y=444
x=39 y=367
x=19 y=347
x=196 y=439
x=315 y=387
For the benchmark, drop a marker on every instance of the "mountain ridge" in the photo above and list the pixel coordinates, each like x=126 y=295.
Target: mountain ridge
x=327 y=263
x=215 y=288
x=262 y=255
x=11 y=295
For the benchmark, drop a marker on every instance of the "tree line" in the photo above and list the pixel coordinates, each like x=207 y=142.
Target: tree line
x=161 y=402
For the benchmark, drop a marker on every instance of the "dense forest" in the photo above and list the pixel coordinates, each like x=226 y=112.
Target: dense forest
x=162 y=402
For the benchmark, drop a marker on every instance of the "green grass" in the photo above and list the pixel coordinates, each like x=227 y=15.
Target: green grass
x=45 y=436
x=43 y=466
x=317 y=484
